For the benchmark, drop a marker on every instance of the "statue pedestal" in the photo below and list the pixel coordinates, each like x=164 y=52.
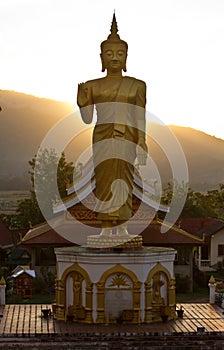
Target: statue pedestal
x=129 y=242
x=112 y=286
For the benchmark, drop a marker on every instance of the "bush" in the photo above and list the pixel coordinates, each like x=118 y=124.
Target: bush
x=44 y=284
x=201 y=279
x=182 y=283
x=220 y=266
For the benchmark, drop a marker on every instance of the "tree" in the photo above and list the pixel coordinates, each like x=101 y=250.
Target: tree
x=197 y=204
x=46 y=168
x=215 y=200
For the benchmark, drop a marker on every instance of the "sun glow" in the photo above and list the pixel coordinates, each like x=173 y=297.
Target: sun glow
x=48 y=47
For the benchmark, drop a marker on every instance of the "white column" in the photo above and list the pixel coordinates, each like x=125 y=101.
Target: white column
x=94 y=303
x=2 y=291
x=199 y=258
x=212 y=286
x=142 y=303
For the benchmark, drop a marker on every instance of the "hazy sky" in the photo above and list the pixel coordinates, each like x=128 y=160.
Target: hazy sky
x=175 y=46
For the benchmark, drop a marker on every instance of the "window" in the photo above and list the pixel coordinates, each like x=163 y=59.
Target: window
x=220 y=249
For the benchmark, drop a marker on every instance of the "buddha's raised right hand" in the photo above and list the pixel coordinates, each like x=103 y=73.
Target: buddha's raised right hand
x=83 y=96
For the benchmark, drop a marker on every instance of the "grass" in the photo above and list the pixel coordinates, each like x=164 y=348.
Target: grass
x=200 y=296
x=36 y=299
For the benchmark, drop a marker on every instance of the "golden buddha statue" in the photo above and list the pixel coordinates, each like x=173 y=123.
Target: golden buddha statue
x=119 y=133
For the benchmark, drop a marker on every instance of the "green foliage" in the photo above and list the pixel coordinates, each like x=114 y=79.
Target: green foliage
x=36 y=298
x=197 y=204
x=48 y=277
x=215 y=199
x=5 y=272
x=182 y=283
x=28 y=213
x=201 y=295
x=49 y=175
x=64 y=175
x=200 y=278
x=218 y=298
x=220 y=266
x=45 y=282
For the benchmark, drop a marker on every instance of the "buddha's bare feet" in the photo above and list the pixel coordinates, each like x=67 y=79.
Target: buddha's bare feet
x=106 y=231
x=122 y=230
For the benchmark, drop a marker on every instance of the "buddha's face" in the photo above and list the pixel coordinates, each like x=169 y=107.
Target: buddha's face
x=114 y=57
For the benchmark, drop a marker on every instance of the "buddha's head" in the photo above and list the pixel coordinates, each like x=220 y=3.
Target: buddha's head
x=114 y=51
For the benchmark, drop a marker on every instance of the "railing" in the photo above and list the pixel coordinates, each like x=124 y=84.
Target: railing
x=203 y=263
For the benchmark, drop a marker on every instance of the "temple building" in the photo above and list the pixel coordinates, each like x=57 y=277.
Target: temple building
x=132 y=281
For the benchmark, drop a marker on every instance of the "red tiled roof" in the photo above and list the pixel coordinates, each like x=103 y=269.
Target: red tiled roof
x=200 y=226
x=194 y=225
x=212 y=229
x=49 y=237
x=174 y=236
x=6 y=238
x=44 y=234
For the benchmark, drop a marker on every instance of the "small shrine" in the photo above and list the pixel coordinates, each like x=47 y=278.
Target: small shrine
x=23 y=281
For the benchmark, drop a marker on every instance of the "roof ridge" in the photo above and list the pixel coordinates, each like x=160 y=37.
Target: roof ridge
x=181 y=231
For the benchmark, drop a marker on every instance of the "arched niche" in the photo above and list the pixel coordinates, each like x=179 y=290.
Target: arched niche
x=159 y=292
x=76 y=289
x=118 y=291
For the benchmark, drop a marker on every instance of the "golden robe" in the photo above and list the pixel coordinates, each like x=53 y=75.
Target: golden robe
x=120 y=106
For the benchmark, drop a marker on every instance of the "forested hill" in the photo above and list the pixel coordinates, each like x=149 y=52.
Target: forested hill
x=25 y=120
x=204 y=155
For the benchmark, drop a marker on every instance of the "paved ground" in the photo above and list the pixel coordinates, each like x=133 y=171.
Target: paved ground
x=27 y=320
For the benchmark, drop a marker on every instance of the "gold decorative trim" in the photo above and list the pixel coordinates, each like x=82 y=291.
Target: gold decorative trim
x=182 y=232
x=2 y=281
x=158 y=268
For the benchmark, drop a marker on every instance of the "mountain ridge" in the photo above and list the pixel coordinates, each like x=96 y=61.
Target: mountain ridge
x=26 y=119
